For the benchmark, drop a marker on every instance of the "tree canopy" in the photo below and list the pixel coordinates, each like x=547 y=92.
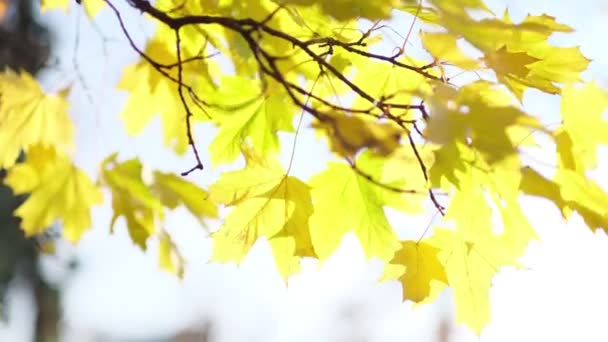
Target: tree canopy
x=439 y=127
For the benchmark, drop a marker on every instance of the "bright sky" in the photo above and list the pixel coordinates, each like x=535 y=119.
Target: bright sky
x=119 y=291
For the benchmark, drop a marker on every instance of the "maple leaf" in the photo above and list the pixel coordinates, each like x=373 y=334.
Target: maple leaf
x=349 y=134
x=425 y=13
x=472 y=111
x=267 y=203
x=352 y=9
x=174 y=191
x=461 y=6
x=255 y=119
x=520 y=44
x=389 y=82
x=92 y=7
x=401 y=169
x=360 y=210
x=169 y=258
x=57 y=189
x=30 y=117
x=585 y=196
x=443 y=46
x=460 y=166
x=152 y=93
x=535 y=184
x=472 y=253
x=577 y=141
x=319 y=53
x=418 y=269
x=580 y=135
x=131 y=198
x=469 y=274
x=505 y=62
x=143 y=203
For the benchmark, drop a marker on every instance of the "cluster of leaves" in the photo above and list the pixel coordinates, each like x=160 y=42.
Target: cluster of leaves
x=404 y=135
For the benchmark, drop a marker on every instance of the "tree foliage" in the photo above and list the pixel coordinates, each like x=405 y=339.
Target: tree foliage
x=406 y=130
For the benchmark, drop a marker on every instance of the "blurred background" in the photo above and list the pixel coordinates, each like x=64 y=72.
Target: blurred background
x=106 y=289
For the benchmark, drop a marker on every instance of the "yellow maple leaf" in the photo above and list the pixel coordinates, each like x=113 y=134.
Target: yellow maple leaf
x=421 y=274
x=131 y=198
x=583 y=126
x=142 y=201
x=585 y=196
x=526 y=41
x=246 y=115
x=460 y=166
x=473 y=252
x=535 y=184
x=92 y=7
x=174 y=191
x=562 y=65
x=46 y=5
x=443 y=46
x=401 y=169
x=424 y=13
x=386 y=81
x=477 y=247
x=28 y=117
x=469 y=274
x=267 y=203
x=473 y=111
x=347 y=135
x=347 y=202
x=151 y=93
x=352 y=9
x=462 y=5
x=519 y=70
x=169 y=258
x=58 y=190
x=505 y=62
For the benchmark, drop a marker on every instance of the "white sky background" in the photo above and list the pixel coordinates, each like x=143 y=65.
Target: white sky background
x=120 y=292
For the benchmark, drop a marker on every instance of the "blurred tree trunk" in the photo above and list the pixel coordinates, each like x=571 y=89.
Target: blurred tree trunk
x=47 y=300
x=24 y=45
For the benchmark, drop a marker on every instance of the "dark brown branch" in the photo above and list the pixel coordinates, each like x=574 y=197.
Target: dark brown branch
x=423 y=168
x=180 y=89
x=252 y=32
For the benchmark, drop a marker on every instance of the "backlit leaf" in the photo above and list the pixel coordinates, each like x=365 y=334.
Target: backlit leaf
x=349 y=134
x=169 y=258
x=30 y=117
x=151 y=93
x=174 y=191
x=352 y=9
x=469 y=113
x=422 y=275
x=347 y=202
x=256 y=118
x=58 y=190
x=266 y=203
x=92 y=7
x=132 y=198
x=585 y=196
x=443 y=46
x=584 y=126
